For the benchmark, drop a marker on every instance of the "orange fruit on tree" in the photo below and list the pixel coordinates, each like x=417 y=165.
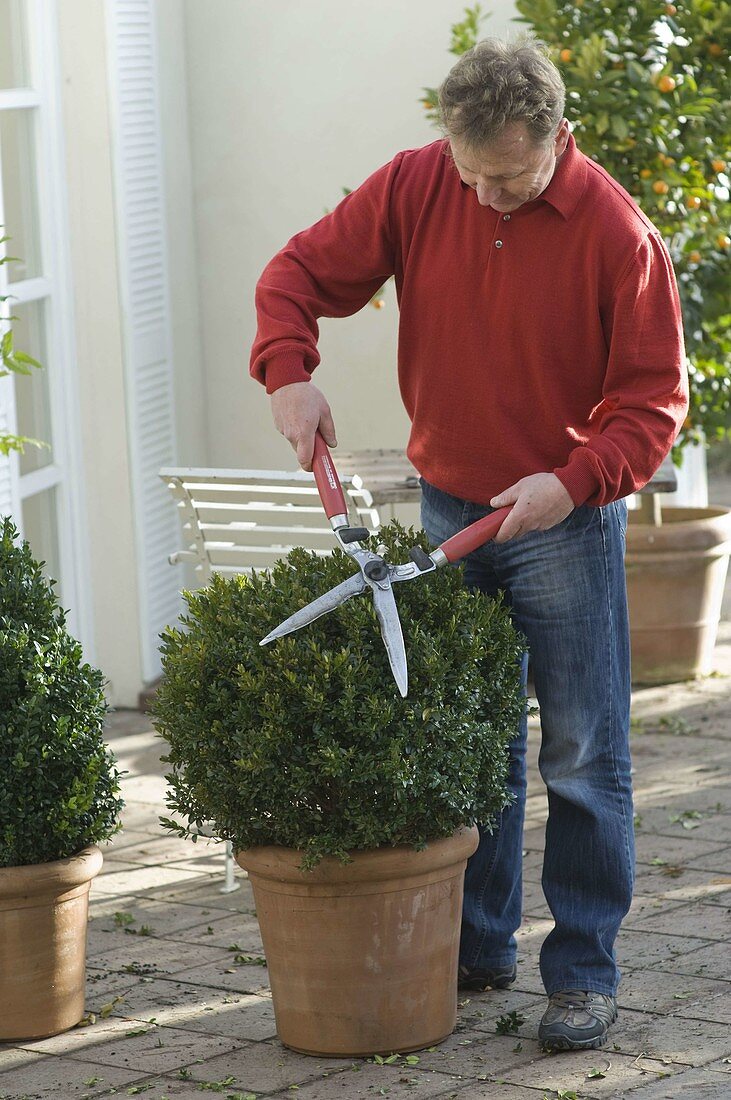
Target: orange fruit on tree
x=723 y=241
x=670 y=9
x=718 y=165
x=666 y=83
x=566 y=55
x=715 y=50
x=660 y=187
x=645 y=173
x=695 y=257
x=692 y=202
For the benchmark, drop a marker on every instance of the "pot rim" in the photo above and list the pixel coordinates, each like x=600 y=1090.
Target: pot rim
x=272 y=861
x=55 y=877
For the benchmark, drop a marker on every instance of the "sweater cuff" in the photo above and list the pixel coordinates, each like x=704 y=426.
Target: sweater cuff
x=282 y=370
x=578 y=479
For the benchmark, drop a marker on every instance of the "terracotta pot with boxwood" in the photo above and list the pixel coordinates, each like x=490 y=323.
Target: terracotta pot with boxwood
x=353 y=810
x=676 y=572
x=58 y=797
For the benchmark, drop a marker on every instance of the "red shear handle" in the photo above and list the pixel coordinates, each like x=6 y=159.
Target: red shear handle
x=478 y=533
x=328 y=484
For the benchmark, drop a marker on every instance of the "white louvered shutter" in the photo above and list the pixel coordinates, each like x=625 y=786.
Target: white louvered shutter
x=141 y=240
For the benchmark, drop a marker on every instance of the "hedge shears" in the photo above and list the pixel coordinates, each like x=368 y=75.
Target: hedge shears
x=373 y=572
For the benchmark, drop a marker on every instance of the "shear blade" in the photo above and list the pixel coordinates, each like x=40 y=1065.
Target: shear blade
x=328 y=602
x=393 y=638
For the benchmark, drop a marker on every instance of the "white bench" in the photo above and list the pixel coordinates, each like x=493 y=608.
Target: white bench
x=239 y=521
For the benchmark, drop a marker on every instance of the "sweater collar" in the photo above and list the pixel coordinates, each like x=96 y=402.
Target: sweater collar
x=566 y=185
x=568 y=181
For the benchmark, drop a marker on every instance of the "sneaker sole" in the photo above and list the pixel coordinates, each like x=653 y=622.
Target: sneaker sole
x=562 y=1042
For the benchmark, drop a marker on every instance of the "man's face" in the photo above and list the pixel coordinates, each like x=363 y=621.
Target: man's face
x=511 y=170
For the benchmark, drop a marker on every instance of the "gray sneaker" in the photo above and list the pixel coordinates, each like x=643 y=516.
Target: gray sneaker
x=576 y=1020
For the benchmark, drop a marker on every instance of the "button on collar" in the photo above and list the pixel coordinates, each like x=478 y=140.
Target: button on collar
x=506 y=217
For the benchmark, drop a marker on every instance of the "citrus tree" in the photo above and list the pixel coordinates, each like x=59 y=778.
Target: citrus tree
x=648 y=88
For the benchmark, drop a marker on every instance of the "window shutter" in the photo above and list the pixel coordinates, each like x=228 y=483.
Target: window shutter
x=143 y=275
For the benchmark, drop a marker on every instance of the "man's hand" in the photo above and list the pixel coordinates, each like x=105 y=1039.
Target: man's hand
x=299 y=410
x=539 y=502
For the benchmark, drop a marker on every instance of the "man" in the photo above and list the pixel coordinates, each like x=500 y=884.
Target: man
x=541 y=364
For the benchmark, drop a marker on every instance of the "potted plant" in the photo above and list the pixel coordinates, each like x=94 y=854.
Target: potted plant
x=352 y=809
x=58 y=797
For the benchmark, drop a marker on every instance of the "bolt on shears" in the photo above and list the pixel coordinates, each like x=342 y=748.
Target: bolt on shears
x=373 y=571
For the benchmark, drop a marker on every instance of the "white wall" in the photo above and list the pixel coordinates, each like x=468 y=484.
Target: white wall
x=288 y=102
x=113 y=572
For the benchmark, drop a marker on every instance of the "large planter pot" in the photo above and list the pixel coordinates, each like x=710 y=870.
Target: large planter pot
x=362 y=956
x=675 y=579
x=43 y=917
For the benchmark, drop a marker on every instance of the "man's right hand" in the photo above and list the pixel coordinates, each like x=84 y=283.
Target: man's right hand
x=299 y=410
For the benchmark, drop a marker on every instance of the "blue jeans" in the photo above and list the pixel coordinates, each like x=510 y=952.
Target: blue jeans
x=566 y=589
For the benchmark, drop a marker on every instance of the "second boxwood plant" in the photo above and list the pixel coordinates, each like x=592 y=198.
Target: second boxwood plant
x=306 y=742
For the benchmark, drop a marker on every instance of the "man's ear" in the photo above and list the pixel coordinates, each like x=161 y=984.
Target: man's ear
x=562 y=137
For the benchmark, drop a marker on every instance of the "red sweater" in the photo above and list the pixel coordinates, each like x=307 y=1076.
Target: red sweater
x=549 y=339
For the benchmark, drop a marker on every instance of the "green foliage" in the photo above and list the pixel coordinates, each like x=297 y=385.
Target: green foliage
x=306 y=742
x=648 y=97
x=58 y=781
x=648 y=92
x=15 y=362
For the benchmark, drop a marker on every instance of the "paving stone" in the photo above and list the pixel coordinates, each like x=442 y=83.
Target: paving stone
x=675 y=849
x=197 y=1008
x=149 y=955
x=646 y=906
x=691 y=1042
x=41 y=1075
x=497 y=1090
x=370 y=1080
x=473 y=1054
x=268 y=1067
x=227 y=975
x=570 y=1071
x=154 y=851
x=205 y=890
x=152 y=1049
x=165 y=919
x=132 y=878
x=237 y=928
x=655 y=991
x=719 y=861
x=703 y=1084
x=713 y=961
x=687 y=885
x=637 y=948
x=708 y=921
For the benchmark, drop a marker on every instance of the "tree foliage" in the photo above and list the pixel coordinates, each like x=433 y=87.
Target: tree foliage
x=306 y=742
x=58 y=781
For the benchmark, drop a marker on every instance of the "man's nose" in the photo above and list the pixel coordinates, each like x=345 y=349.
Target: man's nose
x=487 y=193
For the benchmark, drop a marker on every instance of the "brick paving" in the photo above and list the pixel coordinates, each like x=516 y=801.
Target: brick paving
x=174 y=1014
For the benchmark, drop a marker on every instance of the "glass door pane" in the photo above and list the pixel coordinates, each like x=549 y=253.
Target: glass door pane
x=14 y=68
x=40 y=528
x=20 y=191
x=32 y=392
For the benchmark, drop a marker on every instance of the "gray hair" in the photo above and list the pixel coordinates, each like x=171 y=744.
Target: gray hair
x=497 y=83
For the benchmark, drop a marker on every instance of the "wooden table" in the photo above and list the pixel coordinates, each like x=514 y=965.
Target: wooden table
x=391 y=479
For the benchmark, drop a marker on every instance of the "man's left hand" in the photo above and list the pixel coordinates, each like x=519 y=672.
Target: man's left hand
x=539 y=501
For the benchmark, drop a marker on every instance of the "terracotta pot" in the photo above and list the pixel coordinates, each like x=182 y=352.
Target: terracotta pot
x=362 y=956
x=43 y=916
x=675 y=579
